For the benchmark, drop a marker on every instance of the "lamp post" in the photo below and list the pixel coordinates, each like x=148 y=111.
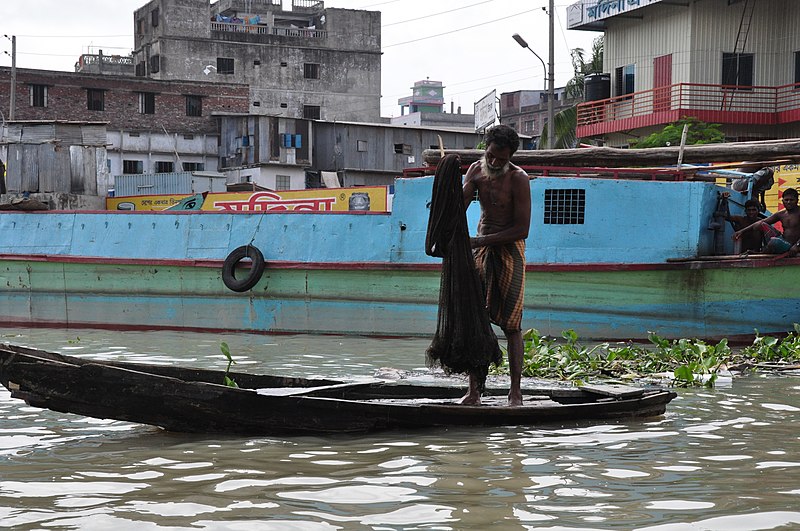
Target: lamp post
x=549 y=89
x=13 y=98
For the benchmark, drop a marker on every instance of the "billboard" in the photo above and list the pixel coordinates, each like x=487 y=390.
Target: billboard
x=367 y=198
x=485 y=111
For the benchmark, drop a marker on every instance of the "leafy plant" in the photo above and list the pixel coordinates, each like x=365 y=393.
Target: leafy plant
x=691 y=362
x=699 y=133
x=227 y=352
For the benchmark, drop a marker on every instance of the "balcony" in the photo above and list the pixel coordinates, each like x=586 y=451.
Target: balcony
x=709 y=103
x=263 y=29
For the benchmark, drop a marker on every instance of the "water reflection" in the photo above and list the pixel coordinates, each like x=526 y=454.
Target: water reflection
x=719 y=459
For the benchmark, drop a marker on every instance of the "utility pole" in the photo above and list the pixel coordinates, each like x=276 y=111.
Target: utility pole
x=13 y=99
x=550 y=88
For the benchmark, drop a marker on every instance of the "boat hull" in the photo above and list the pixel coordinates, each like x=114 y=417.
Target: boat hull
x=599 y=302
x=189 y=402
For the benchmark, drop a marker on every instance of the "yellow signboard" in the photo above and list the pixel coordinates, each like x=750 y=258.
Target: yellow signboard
x=364 y=198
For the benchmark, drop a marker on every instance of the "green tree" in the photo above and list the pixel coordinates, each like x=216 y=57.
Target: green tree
x=565 y=122
x=699 y=133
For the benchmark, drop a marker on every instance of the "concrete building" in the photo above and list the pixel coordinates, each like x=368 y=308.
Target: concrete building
x=307 y=62
x=731 y=62
x=425 y=107
x=151 y=126
x=526 y=110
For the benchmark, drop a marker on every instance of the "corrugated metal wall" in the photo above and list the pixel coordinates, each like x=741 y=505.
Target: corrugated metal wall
x=153 y=184
x=697 y=35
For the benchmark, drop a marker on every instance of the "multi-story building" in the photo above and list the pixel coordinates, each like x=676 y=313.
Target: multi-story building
x=151 y=126
x=425 y=107
x=731 y=62
x=307 y=62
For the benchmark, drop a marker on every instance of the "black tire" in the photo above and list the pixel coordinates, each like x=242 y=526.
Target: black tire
x=233 y=259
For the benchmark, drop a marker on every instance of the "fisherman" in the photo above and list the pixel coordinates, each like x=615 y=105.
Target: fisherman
x=790 y=221
x=753 y=239
x=499 y=248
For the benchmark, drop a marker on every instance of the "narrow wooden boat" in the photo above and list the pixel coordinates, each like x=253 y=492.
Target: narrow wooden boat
x=195 y=400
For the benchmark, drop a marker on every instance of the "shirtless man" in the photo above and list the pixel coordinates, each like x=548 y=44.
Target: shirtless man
x=790 y=220
x=499 y=249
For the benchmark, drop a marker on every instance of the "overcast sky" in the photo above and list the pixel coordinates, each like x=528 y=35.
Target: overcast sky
x=465 y=44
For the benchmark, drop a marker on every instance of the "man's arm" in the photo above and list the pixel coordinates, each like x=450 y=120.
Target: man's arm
x=774 y=218
x=469 y=188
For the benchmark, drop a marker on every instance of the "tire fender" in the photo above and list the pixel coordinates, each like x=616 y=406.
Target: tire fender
x=254 y=274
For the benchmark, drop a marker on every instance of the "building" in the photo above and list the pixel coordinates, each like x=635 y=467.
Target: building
x=731 y=62
x=151 y=126
x=425 y=107
x=526 y=110
x=307 y=62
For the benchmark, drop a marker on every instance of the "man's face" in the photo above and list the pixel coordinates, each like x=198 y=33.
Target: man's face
x=751 y=212
x=789 y=202
x=496 y=160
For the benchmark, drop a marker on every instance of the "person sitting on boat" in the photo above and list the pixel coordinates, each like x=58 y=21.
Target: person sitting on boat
x=753 y=239
x=789 y=217
x=499 y=249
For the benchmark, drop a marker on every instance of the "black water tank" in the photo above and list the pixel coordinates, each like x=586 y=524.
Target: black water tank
x=597 y=87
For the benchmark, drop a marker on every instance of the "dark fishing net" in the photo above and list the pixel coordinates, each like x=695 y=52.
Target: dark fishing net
x=464 y=341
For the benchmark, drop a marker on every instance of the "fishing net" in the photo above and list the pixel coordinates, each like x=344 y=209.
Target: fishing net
x=464 y=341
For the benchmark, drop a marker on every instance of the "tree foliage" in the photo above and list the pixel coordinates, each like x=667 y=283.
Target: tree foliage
x=699 y=133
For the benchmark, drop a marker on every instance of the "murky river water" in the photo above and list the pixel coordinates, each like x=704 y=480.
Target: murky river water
x=724 y=459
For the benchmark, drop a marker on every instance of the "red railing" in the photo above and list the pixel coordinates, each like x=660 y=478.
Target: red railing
x=712 y=103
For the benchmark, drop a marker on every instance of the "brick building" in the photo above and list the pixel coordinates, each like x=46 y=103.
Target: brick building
x=153 y=126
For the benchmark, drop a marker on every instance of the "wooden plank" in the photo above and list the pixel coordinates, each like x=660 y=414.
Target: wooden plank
x=613 y=390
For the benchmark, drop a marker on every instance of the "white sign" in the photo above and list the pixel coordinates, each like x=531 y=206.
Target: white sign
x=588 y=11
x=485 y=111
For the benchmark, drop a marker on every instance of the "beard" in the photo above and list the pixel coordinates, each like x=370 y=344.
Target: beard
x=493 y=172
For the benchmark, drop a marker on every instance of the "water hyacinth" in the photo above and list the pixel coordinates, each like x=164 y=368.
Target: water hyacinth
x=689 y=362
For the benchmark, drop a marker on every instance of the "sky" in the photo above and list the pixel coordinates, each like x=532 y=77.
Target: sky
x=465 y=44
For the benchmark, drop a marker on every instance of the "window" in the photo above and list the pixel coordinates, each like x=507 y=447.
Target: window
x=154 y=18
x=95 y=100
x=155 y=64
x=796 y=67
x=311 y=112
x=256 y=62
x=224 y=65
x=132 y=166
x=737 y=70
x=194 y=166
x=361 y=145
x=284 y=105
x=188 y=136
x=291 y=141
x=402 y=149
x=626 y=80
x=38 y=95
x=311 y=70
x=194 y=106
x=284 y=63
x=147 y=103
x=283 y=182
x=141 y=69
x=164 y=166
x=564 y=207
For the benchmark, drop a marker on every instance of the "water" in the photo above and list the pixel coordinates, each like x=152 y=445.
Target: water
x=724 y=459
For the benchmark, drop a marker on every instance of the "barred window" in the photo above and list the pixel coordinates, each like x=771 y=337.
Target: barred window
x=564 y=207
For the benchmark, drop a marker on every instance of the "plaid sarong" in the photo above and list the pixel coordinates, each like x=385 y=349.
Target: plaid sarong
x=502 y=271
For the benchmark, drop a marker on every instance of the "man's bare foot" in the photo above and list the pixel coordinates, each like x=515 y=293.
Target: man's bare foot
x=471 y=399
x=515 y=399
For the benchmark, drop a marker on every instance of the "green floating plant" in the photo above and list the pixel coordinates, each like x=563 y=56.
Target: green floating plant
x=227 y=352
x=692 y=362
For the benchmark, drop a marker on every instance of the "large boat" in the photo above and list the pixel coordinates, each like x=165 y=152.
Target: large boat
x=197 y=400
x=611 y=255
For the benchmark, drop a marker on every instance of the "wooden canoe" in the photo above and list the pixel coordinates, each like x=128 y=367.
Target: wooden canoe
x=195 y=400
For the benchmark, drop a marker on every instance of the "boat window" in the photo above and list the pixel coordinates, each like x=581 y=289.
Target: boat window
x=564 y=206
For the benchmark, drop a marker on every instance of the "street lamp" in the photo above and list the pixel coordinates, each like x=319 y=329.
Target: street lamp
x=524 y=44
